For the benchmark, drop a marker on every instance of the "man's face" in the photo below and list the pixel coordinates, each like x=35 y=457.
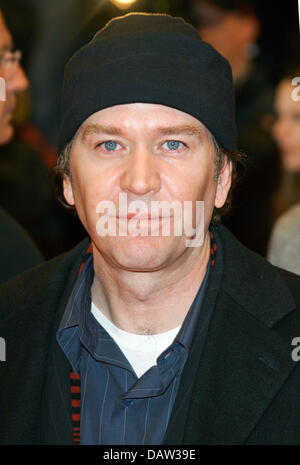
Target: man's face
x=151 y=153
x=15 y=81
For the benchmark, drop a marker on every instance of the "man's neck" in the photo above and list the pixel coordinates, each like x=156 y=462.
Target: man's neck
x=149 y=303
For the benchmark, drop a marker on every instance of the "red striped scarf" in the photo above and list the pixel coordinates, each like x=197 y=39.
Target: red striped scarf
x=75 y=382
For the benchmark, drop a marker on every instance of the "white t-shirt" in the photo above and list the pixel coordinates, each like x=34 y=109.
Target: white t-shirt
x=140 y=350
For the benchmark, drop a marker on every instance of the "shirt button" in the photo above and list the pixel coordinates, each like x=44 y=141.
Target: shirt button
x=128 y=402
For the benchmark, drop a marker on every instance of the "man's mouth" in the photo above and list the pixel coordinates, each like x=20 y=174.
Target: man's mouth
x=142 y=216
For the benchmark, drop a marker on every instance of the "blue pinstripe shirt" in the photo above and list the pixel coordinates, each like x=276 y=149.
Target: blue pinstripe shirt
x=116 y=406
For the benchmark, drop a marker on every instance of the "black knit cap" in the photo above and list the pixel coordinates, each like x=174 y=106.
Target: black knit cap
x=149 y=58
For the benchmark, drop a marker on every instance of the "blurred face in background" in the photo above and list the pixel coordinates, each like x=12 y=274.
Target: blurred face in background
x=230 y=32
x=287 y=127
x=15 y=81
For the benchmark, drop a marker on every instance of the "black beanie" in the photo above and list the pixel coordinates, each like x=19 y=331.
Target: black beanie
x=149 y=58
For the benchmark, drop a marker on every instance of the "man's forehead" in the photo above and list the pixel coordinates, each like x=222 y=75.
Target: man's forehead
x=184 y=129
x=157 y=118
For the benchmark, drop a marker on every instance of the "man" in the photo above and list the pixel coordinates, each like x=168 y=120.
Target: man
x=17 y=251
x=137 y=336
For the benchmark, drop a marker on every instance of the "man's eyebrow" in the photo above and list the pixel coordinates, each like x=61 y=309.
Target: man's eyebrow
x=183 y=129
x=100 y=129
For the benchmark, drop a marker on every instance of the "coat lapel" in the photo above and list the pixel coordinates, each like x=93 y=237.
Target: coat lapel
x=56 y=413
x=27 y=322
x=244 y=364
x=244 y=361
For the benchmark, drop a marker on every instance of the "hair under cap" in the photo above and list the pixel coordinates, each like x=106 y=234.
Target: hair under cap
x=149 y=58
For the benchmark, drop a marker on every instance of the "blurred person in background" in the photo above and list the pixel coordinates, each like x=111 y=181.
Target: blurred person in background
x=233 y=28
x=284 y=247
x=27 y=190
x=15 y=79
x=286 y=132
x=17 y=250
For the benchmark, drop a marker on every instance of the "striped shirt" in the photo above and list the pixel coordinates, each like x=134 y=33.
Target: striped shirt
x=117 y=407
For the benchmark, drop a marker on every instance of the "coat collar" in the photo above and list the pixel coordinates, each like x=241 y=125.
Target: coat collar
x=252 y=282
x=244 y=361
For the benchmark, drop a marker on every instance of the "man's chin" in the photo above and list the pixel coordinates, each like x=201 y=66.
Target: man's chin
x=140 y=253
x=140 y=264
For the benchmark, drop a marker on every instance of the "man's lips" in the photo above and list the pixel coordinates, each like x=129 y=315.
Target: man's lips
x=141 y=216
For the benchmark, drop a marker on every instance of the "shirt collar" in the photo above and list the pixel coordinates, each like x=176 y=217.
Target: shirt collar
x=76 y=329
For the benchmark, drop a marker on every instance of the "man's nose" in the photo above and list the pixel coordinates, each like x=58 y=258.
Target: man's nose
x=18 y=81
x=141 y=175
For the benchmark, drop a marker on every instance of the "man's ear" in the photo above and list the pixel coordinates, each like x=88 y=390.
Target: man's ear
x=68 y=190
x=223 y=184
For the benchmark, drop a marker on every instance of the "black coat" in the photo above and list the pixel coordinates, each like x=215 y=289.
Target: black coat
x=243 y=390
x=17 y=251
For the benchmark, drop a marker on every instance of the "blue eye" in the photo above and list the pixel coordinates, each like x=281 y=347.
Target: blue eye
x=110 y=145
x=173 y=144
